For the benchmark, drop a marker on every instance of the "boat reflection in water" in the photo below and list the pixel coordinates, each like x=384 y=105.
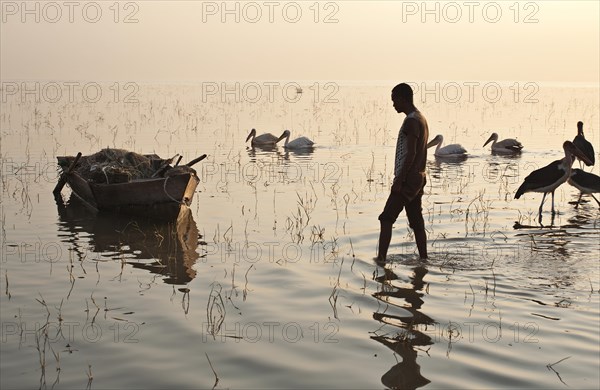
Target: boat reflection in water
x=164 y=248
x=405 y=335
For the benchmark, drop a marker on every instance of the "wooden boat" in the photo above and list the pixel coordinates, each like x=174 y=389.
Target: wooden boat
x=159 y=197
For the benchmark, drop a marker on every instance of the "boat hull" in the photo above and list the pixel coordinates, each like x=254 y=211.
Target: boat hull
x=159 y=198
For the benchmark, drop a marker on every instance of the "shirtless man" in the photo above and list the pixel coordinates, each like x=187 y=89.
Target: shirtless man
x=409 y=174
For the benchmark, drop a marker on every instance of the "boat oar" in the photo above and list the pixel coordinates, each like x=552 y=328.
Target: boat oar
x=63 y=177
x=163 y=167
x=196 y=160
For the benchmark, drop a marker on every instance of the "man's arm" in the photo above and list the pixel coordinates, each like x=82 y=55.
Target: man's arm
x=411 y=129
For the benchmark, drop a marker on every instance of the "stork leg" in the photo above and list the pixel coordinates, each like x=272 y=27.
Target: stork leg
x=578 y=200
x=553 y=212
x=595 y=199
x=540 y=210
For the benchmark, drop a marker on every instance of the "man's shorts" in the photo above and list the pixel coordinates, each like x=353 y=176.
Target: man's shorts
x=397 y=201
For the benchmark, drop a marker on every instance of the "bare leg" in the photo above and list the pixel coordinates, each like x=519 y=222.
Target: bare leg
x=578 y=200
x=553 y=212
x=421 y=239
x=385 y=236
x=414 y=213
x=592 y=195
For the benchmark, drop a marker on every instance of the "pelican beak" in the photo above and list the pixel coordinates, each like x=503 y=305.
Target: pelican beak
x=280 y=138
x=489 y=140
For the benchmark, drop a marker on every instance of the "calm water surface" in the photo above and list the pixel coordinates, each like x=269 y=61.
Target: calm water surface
x=268 y=281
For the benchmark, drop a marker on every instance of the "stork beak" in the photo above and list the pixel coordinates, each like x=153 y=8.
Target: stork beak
x=578 y=153
x=489 y=140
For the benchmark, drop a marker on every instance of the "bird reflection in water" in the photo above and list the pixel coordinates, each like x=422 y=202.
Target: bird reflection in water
x=270 y=164
x=406 y=335
x=449 y=174
x=269 y=150
x=257 y=150
x=164 y=248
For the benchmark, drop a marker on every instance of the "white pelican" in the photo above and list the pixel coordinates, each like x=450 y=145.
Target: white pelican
x=446 y=151
x=508 y=145
x=298 y=143
x=548 y=178
x=584 y=145
x=586 y=182
x=266 y=139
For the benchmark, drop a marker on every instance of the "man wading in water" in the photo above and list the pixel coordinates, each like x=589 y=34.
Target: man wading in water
x=409 y=174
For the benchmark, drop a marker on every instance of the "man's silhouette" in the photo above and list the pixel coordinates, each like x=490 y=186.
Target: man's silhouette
x=409 y=173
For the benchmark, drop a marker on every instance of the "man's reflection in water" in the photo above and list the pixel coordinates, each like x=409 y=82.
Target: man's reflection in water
x=406 y=334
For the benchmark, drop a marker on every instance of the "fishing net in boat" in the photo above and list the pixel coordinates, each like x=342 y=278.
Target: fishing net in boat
x=122 y=166
x=116 y=166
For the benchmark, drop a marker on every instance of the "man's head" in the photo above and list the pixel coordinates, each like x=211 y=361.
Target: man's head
x=402 y=96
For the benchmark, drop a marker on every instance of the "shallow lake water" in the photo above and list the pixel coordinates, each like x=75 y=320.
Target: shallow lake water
x=268 y=280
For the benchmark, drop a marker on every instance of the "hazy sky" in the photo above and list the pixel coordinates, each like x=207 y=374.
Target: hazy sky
x=287 y=40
